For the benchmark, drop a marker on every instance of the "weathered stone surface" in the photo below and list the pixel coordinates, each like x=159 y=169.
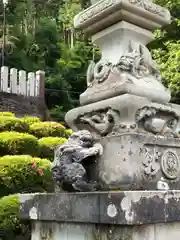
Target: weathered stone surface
x=105 y=13
x=122 y=29
x=68 y=169
x=64 y=231
x=124 y=208
x=126 y=113
x=126 y=66
x=140 y=141
x=22 y=106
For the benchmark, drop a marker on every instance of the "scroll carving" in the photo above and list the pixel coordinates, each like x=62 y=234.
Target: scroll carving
x=158 y=121
x=103 y=5
x=149 y=6
x=102 y=121
x=137 y=61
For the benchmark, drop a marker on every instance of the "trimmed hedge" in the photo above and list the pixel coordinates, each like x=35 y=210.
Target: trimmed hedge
x=68 y=133
x=7 y=114
x=30 y=120
x=9 y=219
x=18 y=143
x=9 y=210
x=8 y=123
x=46 y=129
x=24 y=174
x=48 y=145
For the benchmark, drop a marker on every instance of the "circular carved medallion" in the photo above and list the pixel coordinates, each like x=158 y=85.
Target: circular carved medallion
x=170 y=164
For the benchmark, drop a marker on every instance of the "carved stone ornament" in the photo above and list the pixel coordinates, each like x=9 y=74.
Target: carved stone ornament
x=159 y=121
x=170 y=164
x=137 y=61
x=100 y=6
x=151 y=161
x=155 y=120
x=68 y=167
x=102 y=121
x=149 y=6
x=154 y=160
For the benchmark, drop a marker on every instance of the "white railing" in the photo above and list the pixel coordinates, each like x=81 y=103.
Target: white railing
x=21 y=82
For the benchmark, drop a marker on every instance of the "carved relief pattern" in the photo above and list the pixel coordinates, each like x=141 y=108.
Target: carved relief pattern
x=149 y=6
x=170 y=164
x=95 y=10
x=149 y=119
x=137 y=61
x=101 y=6
x=159 y=121
x=102 y=121
x=154 y=160
x=150 y=161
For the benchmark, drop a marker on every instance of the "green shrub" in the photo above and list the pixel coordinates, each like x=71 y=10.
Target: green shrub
x=12 y=124
x=7 y=114
x=9 y=208
x=23 y=174
x=48 y=144
x=18 y=143
x=68 y=133
x=31 y=119
x=9 y=219
x=46 y=129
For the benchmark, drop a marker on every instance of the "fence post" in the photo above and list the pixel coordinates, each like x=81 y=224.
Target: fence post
x=31 y=84
x=13 y=80
x=40 y=84
x=22 y=82
x=4 y=78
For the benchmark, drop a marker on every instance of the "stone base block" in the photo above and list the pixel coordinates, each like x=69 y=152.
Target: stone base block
x=140 y=142
x=68 y=231
x=140 y=215
x=135 y=162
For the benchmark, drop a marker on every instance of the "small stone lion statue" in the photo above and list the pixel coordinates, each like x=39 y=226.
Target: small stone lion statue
x=68 y=169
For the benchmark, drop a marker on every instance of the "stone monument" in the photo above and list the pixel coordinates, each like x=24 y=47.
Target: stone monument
x=120 y=169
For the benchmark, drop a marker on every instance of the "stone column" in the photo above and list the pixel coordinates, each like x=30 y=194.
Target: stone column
x=125 y=143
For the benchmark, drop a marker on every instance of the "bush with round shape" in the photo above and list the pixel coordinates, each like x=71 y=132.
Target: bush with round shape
x=8 y=123
x=23 y=174
x=29 y=120
x=10 y=223
x=68 y=133
x=7 y=114
x=48 y=145
x=46 y=129
x=9 y=208
x=18 y=143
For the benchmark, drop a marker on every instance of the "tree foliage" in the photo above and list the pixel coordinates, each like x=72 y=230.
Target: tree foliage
x=166 y=49
x=40 y=35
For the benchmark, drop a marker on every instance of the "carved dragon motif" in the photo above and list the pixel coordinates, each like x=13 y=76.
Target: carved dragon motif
x=137 y=61
x=102 y=121
x=153 y=122
x=68 y=170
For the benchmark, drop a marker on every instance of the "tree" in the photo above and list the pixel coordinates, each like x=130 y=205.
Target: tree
x=166 y=49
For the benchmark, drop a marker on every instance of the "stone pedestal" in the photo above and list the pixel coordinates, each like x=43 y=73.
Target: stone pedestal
x=126 y=137
x=140 y=142
x=61 y=231
x=126 y=107
x=143 y=215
